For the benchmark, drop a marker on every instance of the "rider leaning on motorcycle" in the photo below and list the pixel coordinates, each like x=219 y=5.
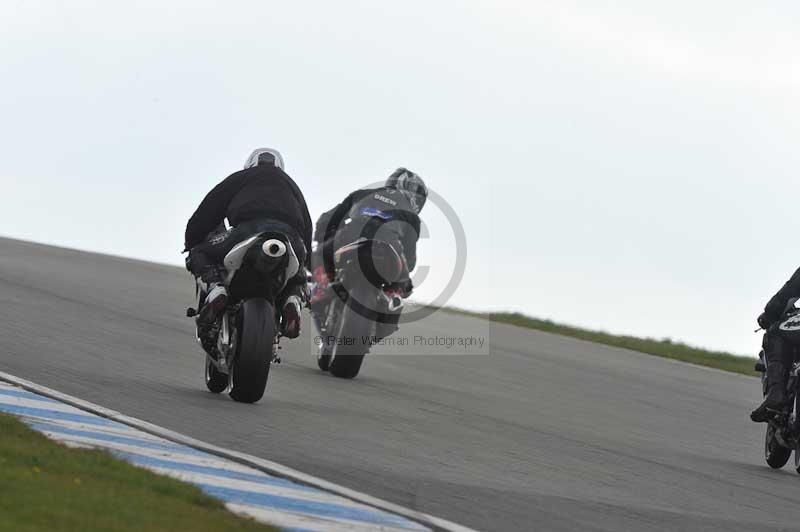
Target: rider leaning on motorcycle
x=259 y=198
x=777 y=349
x=403 y=196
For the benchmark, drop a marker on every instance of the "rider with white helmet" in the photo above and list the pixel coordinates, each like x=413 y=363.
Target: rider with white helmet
x=260 y=198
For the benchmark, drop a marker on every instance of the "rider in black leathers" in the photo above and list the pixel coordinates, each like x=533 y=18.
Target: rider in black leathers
x=777 y=350
x=262 y=197
x=401 y=198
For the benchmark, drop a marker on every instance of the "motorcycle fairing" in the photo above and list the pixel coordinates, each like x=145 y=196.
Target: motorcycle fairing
x=380 y=262
x=233 y=260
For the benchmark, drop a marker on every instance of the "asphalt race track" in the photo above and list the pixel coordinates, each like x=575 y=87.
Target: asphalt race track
x=545 y=433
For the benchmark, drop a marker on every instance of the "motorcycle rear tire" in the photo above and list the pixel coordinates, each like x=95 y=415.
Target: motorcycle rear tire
x=256 y=334
x=350 y=350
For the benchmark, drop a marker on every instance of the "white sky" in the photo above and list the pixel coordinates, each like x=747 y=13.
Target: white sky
x=621 y=165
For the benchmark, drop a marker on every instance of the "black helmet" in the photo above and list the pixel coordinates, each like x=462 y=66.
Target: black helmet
x=410 y=185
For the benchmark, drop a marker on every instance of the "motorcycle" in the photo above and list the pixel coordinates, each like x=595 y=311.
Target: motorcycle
x=783 y=430
x=243 y=342
x=362 y=304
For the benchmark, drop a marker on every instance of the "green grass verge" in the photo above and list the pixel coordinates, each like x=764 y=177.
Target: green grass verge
x=45 y=486
x=666 y=348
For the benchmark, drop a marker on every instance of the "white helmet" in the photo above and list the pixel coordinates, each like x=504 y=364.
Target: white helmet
x=264 y=156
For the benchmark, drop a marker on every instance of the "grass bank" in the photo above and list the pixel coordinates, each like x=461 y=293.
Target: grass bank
x=663 y=348
x=46 y=486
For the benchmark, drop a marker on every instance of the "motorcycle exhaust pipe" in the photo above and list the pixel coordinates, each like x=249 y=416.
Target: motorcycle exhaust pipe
x=274 y=248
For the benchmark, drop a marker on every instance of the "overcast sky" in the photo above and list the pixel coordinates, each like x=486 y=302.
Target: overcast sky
x=627 y=166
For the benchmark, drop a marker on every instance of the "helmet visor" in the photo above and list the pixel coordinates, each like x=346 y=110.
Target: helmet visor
x=266 y=158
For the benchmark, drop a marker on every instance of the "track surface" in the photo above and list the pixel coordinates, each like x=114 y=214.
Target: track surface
x=546 y=433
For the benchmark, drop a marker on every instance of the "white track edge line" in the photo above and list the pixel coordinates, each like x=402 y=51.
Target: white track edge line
x=261 y=464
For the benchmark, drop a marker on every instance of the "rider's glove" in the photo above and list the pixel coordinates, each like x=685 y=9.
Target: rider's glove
x=764 y=320
x=408 y=287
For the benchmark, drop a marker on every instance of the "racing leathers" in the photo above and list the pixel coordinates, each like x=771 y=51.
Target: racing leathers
x=778 y=347
x=384 y=211
x=257 y=199
x=381 y=213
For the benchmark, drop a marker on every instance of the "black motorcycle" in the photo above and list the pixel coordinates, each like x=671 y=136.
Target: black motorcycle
x=363 y=304
x=783 y=430
x=242 y=344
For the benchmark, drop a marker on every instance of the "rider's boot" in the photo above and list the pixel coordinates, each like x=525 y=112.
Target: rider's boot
x=290 y=317
x=216 y=295
x=775 y=401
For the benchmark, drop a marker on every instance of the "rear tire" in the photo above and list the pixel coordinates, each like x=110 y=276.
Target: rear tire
x=775 y=454
x=216 y=382
x=350 y=348
x=256 y=330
